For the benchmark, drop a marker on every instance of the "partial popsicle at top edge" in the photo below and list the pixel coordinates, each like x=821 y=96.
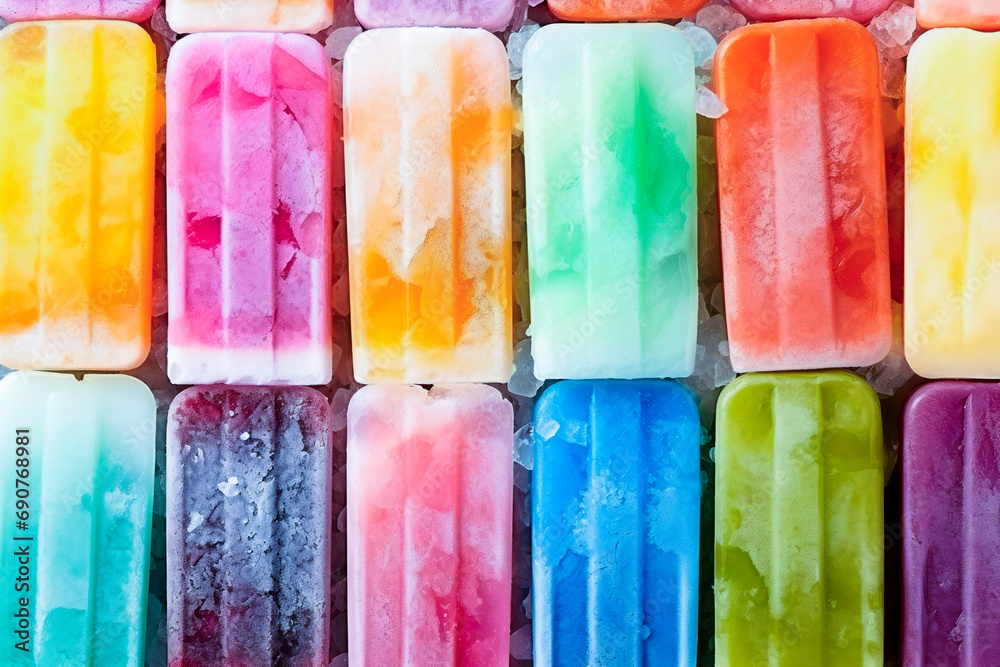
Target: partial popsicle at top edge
x=609 y=141
x=41 y=10
x=975 y=14
x=430 y=478
x=952 y=245
x=250 y=152
x=303 y=16
x=861 y=11
x=951 y=538
x=76 y=477
x=616 y=491
x=799 y=522
x=493 y=15
x=77 y=144
x=249 y=482
x=802 y=196
x=428 y=138
x=623 y=10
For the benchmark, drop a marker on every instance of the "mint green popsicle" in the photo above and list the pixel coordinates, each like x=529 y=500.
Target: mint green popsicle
x=610 y=149
x=76 y=494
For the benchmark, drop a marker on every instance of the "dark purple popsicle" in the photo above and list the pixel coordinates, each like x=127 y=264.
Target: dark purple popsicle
x=951 y=525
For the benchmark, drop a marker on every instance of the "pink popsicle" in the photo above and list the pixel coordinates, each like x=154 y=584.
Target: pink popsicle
x=41 y=10
x=249 y=161
x=430 y=491
x=493 y=15
x=861 y=11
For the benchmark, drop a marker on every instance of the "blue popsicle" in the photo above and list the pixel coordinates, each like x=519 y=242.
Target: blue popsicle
x=616 y=490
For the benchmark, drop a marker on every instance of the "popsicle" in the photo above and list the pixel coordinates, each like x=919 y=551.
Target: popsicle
x=609 y=141
x=861 y=11
x=250 y=153
x=802 y=196
x=77 y=141
x=798 y=521
x=249 y=473
x=976 y=14
x=951 y=538
x=623 y=10
x=952 y=244
x=305 y=16
x=77 y=484
x=430 y=483
x=40 y=10
x=493 y=15
x=427 y=138
x=616 y=493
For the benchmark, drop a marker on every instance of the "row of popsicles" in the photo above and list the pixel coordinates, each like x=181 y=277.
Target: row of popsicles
x=310 y=16
x=610 y=149
x=615 y=502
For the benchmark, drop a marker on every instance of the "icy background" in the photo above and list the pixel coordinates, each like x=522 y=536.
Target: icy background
x=894 y=32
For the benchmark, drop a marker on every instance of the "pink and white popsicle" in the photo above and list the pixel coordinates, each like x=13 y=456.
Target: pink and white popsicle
x=250 y=153
x=429 y=487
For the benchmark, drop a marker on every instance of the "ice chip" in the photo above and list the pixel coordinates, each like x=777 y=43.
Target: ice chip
x=524 y=446
x=708 y=103
x=338 y=41
x=520 y=643
x=524 y=382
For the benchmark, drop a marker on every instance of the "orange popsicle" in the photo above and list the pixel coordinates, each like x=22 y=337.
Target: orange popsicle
x=975 y=14
x=623 y=10
x=802 y=196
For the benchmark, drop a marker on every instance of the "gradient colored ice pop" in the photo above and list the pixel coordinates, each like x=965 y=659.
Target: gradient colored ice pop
x=802 y=196
x=951 y=537
x=798 y=522
x=623 y=10
x=861 y=11
x=40 y=10
x=952 y=258
x=77 y=142
x=616 y=491
x=250 y=153
x=430 y=482
x=609 y=141
x=249 y=475
x=77 y=487
x=493 y=15
x=427 y=133
x=975 y=14
x=305 y=16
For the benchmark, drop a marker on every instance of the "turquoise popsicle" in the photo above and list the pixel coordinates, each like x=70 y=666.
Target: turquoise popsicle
x=76 y=492
x=610 y=142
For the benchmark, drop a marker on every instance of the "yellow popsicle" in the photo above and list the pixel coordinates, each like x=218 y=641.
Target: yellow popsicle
x=77 y=144
x=952 y=309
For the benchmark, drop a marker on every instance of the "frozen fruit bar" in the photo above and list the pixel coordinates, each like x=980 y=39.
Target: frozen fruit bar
x=616 y=492
x=623 y=10
x=493 y=15
x=430 y=489
x=975 y=14
x=77 y=139
x=77 y=470
x=609 y=142
x=305 y=16
x=250 y=154
x=861 y=11
x=798 y=522
x=248 y=527
x=40 y=10
x=802 y=196
x=428 y=123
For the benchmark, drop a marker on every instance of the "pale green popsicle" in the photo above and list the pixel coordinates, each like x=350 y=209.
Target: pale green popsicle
x=76 y=494
x=798 y=522
x=610 y=145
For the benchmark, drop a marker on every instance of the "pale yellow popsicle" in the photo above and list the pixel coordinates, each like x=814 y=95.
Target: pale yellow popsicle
x=952 y=309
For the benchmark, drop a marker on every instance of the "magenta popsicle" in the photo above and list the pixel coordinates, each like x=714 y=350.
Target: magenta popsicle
x=861 y=11
x=951 y=531
x=494 y=15
x=41 y=10
x=429 y=479
x=249 y=161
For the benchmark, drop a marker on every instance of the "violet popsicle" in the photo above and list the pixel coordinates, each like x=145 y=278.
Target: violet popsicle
x=41 y=10
x=250 y=154
x=861 y=11
x=616 y=495
x=248 y=527
x=76 y=478
x=951 y=536
x=430 y=493
x=493 y=15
